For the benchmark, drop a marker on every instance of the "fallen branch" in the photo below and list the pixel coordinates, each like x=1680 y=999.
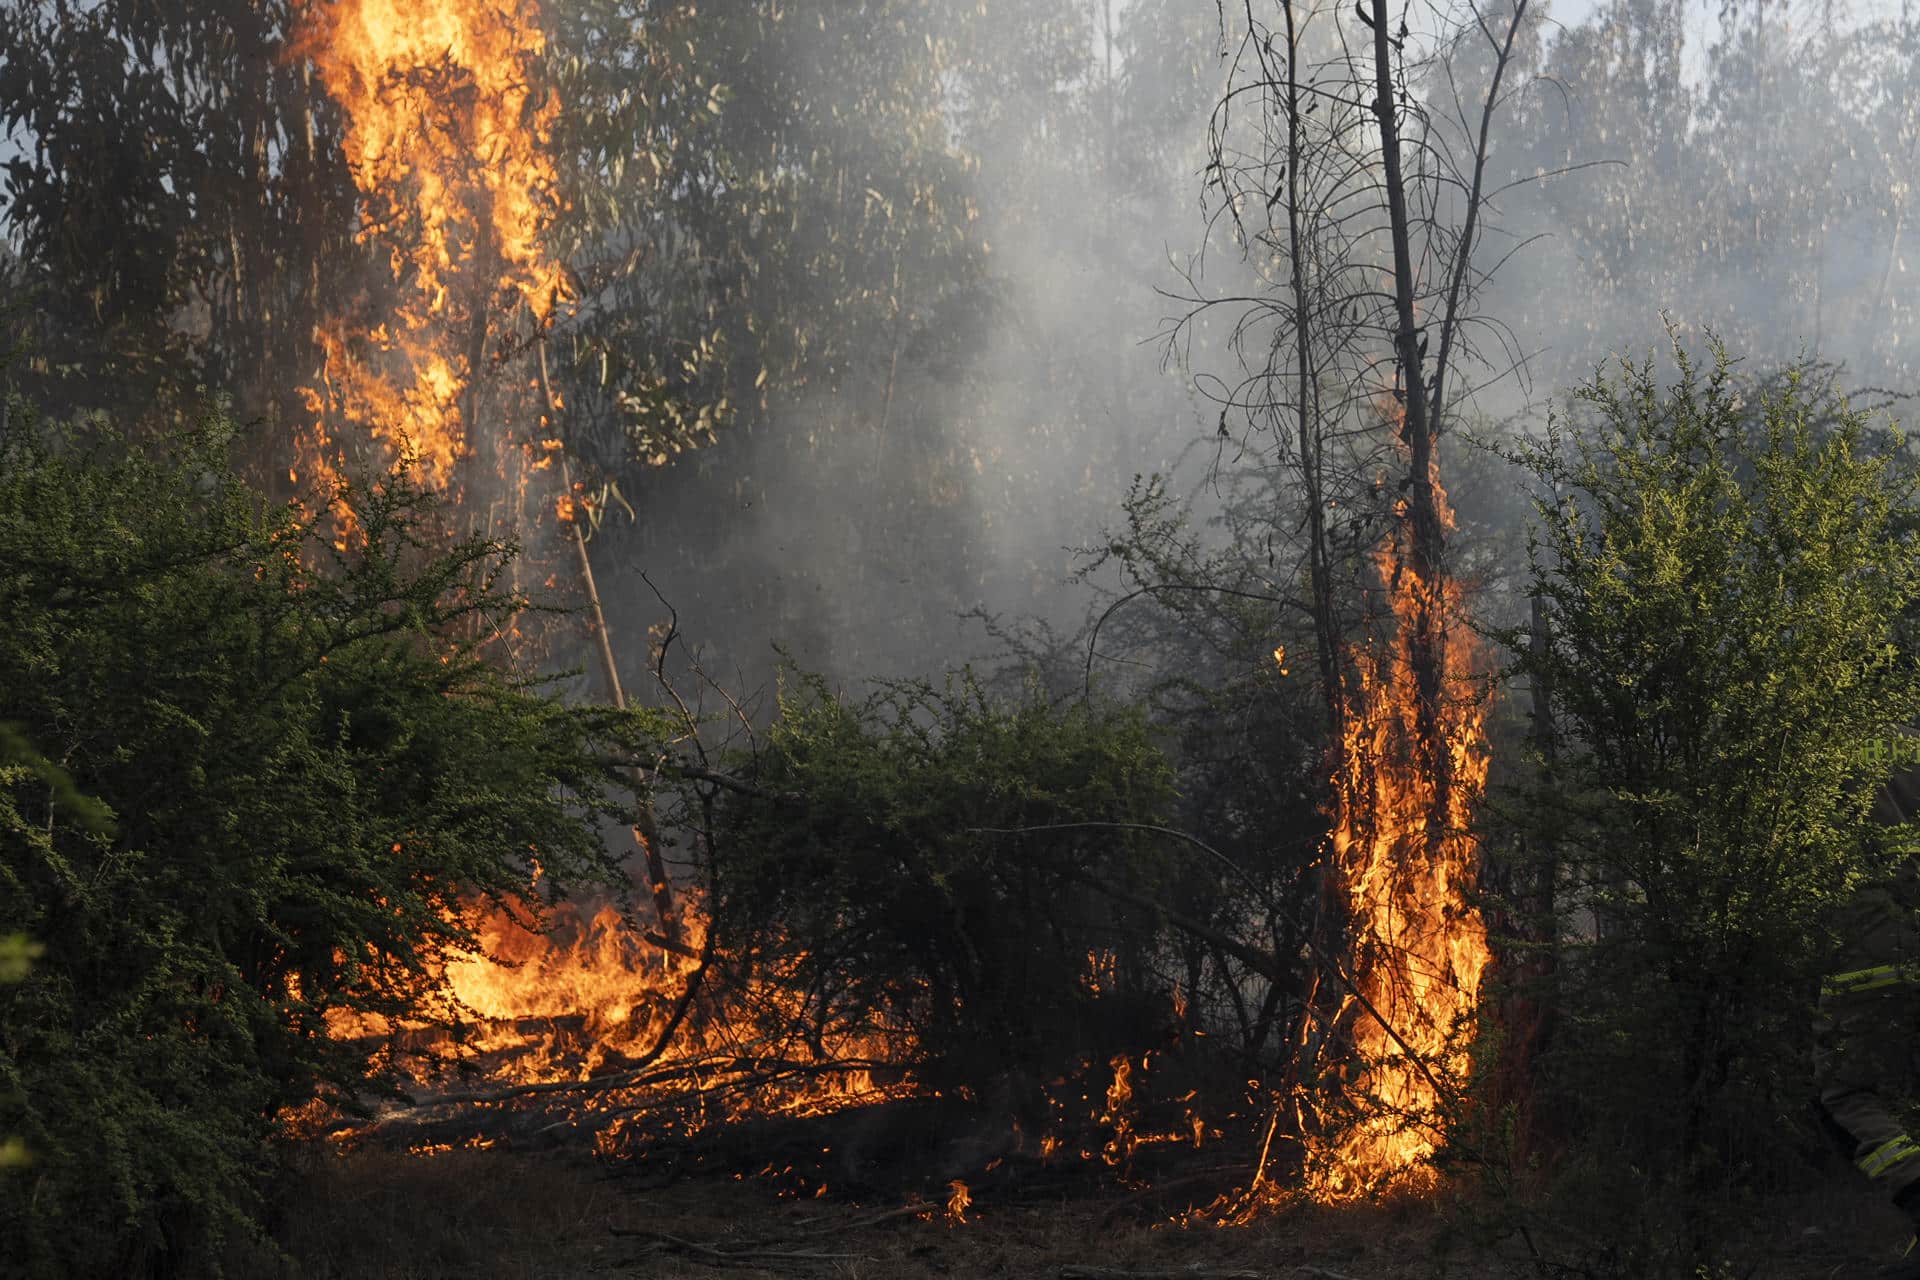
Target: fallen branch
x=1160 y=1190
x=903 y=1211
x=774 y=1244
x=742 y=1073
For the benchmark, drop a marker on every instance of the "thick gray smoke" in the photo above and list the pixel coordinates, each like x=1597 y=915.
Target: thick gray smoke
x=1745 y=171
x=959 y=231
x=946 y=471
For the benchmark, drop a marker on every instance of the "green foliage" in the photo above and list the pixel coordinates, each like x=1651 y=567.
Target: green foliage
x=749 y=194
x=1721 y=581
x=939 y=862
x=174 y=191
x=1192 y=630
x=302 y=773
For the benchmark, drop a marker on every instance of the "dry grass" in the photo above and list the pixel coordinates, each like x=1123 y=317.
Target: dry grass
x=481 y=1215
x=501 y=1214
x=504 y=1215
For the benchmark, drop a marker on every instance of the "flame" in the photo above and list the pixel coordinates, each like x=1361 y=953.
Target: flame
x=1118 y=1116
x=1102 y=972
x=958 y=1201
x=445 y=139
x=588 y=995
x=597 y=972
x=1405 y=866
x=447 y=143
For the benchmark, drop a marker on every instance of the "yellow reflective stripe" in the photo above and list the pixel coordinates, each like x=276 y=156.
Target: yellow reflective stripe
x=1858 y=980
x=1889 y=1153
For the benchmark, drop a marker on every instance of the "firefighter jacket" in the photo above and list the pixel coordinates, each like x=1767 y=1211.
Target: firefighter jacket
x=1879 y=926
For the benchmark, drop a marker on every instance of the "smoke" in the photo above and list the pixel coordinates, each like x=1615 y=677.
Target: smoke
x=945 y=233
x=990 y=411
x=1748 y=177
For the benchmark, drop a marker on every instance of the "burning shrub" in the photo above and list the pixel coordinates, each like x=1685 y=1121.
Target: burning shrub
x=938 y=863
x=310 y=775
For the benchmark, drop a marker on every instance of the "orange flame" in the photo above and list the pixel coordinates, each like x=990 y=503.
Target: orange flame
x=958 y=1201
x=1119 y=1149
x=591 y=993
x=1406 y=866
x=445 y=141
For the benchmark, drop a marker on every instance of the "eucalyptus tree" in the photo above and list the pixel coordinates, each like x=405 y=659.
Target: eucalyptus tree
x=1756 y=182
x=173 y=192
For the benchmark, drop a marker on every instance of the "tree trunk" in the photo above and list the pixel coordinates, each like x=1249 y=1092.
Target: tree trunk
x=1425 y=540
x=646 y=830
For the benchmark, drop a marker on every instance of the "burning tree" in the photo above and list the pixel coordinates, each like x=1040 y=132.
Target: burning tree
x=1362 y=229
x=836 y=978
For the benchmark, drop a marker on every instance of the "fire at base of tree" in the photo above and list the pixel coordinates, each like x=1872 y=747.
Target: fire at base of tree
x=546 y=724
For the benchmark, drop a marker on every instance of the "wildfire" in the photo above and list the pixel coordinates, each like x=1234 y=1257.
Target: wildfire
x=447 y=143
x=1118 y=1116
x=445 y=140
x=1405 y=868
x=590 y=996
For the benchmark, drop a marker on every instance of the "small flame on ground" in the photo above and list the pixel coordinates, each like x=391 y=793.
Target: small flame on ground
x=958 y=1201
x=1118 y=1116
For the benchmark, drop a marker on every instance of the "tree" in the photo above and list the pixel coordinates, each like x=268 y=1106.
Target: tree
x=1350 y=168
x=1721 y=582
x=314 y=782
x=1747 y=172
x=1332 y=167
x=174 y=199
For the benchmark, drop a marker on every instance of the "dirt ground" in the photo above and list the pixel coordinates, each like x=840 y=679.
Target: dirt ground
x=498 y=1214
